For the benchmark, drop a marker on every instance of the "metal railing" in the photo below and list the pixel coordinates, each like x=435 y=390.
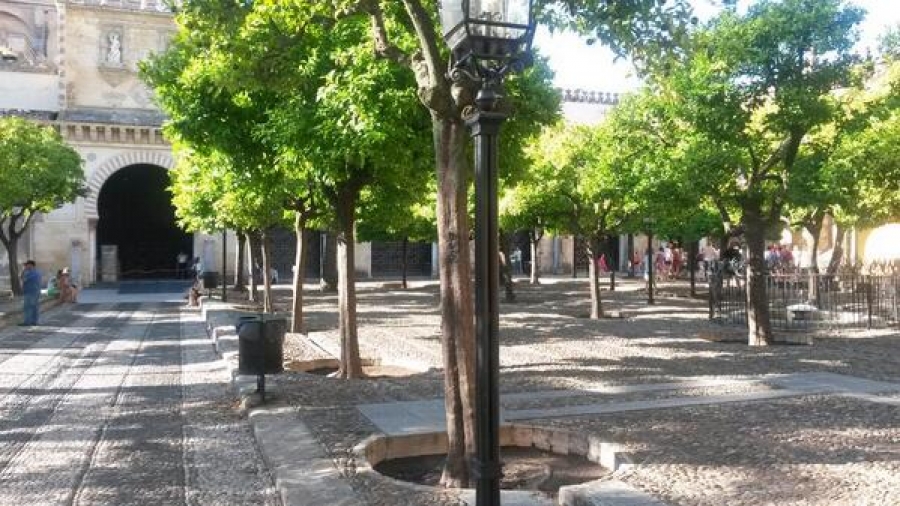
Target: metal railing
x=851 y=298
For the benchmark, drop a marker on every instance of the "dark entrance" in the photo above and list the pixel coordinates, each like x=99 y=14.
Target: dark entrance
x=137 y=216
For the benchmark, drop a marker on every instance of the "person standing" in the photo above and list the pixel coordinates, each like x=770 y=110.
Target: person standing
x=677 y=261
x=710 y=257
x=67 y=290
x=31 y=291
x=197 y=269
x=181 y=265
x=660 y=265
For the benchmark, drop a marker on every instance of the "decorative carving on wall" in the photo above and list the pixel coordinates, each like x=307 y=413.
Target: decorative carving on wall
x=131 y=5
x=24 y=33
x=112 y=65
x=114 y=48
x=111 y=47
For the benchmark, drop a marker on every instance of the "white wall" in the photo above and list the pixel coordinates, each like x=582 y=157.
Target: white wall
x=29 y=91
x=584 y=113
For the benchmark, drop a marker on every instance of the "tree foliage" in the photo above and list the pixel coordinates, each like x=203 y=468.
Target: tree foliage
x=753 y=86
x=280 y=45
x=40 y=173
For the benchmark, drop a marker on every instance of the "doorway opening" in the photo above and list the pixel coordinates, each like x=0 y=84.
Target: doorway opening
x=137 y=225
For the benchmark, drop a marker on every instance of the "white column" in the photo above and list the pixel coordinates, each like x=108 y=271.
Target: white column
x=435 y=259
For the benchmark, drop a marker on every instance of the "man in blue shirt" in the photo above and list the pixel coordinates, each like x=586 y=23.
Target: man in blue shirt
x=31 y=290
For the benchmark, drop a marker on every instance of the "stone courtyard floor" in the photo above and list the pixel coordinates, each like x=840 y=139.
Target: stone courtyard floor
x=701 y=422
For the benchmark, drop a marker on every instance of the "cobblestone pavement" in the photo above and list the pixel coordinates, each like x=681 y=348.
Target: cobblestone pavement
x=816 y=449
x=122 y=404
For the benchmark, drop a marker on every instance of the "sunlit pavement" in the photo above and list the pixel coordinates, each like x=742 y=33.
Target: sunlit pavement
x=114 y=401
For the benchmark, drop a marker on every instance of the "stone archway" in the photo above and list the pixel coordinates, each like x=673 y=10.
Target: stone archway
x=110 y=166
x=105 y=178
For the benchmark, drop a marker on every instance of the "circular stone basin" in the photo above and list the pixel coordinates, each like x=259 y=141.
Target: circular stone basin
x=523 y=469
x=547 y=462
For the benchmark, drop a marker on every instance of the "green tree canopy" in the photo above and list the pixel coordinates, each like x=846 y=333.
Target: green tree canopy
x=753 y=86
x=40 y=173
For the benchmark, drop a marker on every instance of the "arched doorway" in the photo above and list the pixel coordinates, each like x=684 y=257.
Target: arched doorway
x=136 y=217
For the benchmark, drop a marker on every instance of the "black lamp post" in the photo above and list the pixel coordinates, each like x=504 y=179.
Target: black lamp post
x=649 y=221
x=488 y=39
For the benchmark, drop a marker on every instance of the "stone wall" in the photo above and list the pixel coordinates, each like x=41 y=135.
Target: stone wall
x=103 y=48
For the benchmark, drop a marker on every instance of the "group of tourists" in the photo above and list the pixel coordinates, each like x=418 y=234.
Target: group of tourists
x=62 y=287
x=668 y=262
x=780 y=259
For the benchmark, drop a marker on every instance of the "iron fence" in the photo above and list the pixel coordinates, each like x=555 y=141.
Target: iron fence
x=851 y=298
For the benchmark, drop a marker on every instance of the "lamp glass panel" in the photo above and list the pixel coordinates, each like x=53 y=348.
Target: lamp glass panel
x=516 y=12
x=452 y=15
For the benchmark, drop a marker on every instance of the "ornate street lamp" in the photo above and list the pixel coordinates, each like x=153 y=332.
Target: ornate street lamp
x=487 y=30
x=488 y=39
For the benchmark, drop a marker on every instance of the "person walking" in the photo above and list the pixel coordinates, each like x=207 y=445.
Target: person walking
x=31 y=291
x=660 y=264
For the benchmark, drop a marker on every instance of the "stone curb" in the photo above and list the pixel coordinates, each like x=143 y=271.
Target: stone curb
x=303 y=473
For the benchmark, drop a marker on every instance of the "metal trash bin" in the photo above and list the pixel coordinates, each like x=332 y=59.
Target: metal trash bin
x=261 y=345
x=210 y=280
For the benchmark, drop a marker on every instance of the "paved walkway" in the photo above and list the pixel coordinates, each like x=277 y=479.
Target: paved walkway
x=121 y=400
x=121 y=403
x=704 y=422
x=398 y=418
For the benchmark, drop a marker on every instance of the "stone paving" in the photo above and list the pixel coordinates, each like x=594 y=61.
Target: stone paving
x=703 y=422
x=122 y=403
x=397 y=418
x=126 y=404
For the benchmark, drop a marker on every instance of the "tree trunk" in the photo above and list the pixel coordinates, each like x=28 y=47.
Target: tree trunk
x=509 y=295
x=254 y=260
x=9 y=236
x=239 y=263
x=692 y=265
x=12 y=253
x=535 y=236
x=299 y=274
x=814 y=227
x=837 y=254
x=329 y=280
x=758 y=321
x=592 y=252
x=630 y=250
x=457 y=309
x=404 y=264
x=351 y=365
x=266 y=246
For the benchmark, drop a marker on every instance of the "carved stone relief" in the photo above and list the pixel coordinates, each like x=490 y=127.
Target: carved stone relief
x=112 y=64
x=114 y=48
x=111 y=50
x=24 y=31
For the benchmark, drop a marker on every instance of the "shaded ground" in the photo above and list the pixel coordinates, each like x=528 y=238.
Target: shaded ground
x=788 y=451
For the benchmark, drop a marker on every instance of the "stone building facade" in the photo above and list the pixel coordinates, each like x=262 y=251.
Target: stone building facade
x=73 y=64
